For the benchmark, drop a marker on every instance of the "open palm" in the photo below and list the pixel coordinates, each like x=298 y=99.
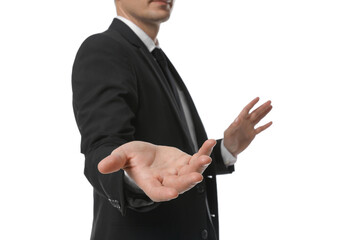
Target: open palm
x=162 y=172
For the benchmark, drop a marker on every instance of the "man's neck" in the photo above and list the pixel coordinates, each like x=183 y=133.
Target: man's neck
x=146 y=39
x=151 y=29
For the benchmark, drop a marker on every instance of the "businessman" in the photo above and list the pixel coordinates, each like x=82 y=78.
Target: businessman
x=147 y=155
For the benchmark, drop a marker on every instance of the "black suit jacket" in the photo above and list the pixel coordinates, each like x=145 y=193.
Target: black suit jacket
x=119 y=95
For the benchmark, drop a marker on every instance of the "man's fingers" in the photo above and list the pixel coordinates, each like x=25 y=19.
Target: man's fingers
x=262 y=128
x=207 y=147
x=261 y=106
x=260 y=109
x=249 y=106
x=198 y=164
x=112 y=163
x=261 y=113
x=183 y=183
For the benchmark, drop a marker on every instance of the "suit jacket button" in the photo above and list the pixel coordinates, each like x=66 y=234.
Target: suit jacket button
x=204 y=234
x=200 y=188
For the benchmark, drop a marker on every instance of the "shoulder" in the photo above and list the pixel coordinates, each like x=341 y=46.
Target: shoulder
x=105 y=54
x=108 y=42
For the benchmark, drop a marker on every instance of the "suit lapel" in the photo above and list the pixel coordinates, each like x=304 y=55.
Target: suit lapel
x=130 y=36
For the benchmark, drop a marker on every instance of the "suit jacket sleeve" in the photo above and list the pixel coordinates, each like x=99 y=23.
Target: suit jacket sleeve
x=105 y=102
x=220 y=167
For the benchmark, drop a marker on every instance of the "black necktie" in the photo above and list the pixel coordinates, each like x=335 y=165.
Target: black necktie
x=159 y=55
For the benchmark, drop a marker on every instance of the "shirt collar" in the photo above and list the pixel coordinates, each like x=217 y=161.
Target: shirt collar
x=149 y=43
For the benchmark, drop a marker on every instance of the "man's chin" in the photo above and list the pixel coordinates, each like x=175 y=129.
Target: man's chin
x=160 y=16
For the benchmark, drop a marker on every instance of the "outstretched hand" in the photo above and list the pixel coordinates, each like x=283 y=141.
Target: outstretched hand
x=242 y=131
x=161 y=172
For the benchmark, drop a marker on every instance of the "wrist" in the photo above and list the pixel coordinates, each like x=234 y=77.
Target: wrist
x=228 y=157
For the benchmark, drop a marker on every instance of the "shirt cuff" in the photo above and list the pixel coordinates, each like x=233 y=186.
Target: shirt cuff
x=228 y=158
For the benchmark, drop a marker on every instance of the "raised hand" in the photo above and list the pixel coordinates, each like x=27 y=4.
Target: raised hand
x=161 y=172
x=242 y=131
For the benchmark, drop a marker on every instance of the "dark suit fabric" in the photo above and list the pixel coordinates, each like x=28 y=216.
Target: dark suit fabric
x=121 y=95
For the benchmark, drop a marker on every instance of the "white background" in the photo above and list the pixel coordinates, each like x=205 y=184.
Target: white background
x=298 y=180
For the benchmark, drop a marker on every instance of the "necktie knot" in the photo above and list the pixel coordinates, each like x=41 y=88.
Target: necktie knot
x=161 y=59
